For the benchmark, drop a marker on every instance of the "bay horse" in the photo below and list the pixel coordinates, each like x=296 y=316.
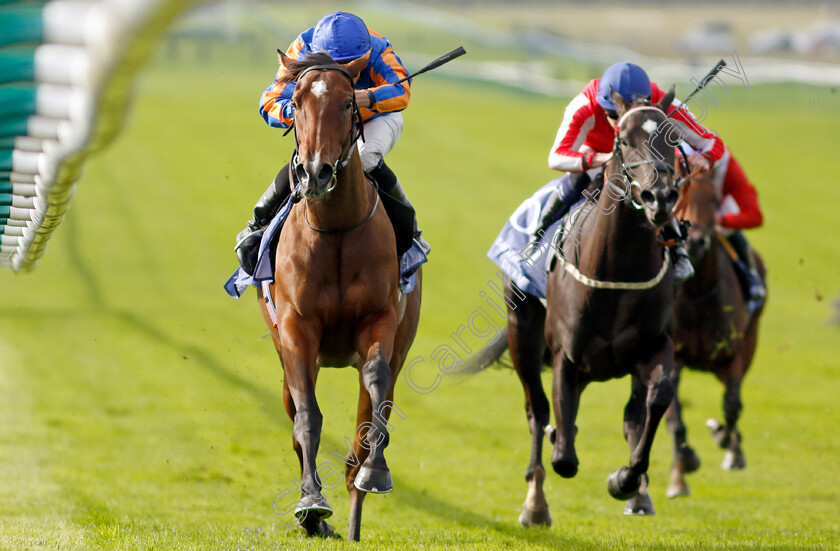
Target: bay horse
x=713 y=331
x=336 y=287
x=608 y=314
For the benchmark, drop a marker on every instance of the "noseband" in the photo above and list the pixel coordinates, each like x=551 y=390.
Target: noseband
x=352 y=137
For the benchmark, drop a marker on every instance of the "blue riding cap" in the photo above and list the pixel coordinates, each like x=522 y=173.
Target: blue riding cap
x=343 y=35
x=628 y=79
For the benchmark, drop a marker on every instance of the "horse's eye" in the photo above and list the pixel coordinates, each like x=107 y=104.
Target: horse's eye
x=348 y=105
x=293 y=103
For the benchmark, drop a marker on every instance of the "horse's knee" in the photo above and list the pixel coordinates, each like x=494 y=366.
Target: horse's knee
x=376 y=373
x=307 y=421
x=732 y=406
x=661 y=394
x=634 y=410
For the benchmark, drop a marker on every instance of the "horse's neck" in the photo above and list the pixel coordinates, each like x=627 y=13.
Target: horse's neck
x=348 y=203
x=707 y=273
x=622 y=239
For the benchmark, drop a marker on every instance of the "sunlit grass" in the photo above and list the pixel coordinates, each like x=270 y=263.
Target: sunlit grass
x=141 y=407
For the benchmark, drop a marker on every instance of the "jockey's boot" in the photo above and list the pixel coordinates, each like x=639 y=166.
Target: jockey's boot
x=756 y=292
x=569 y=189
x=679 y=255
x=387 y=182
x=248 y=240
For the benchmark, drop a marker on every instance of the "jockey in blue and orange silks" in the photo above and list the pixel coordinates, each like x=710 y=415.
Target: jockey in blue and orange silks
x=380 y=98
x=586 y=138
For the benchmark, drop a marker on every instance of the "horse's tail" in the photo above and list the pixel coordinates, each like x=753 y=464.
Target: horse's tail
x=485 y=357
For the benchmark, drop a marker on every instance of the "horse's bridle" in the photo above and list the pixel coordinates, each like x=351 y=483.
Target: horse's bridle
x=356 y=131
x=658 y=165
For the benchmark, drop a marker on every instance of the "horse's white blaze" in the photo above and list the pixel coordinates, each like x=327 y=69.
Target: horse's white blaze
x=650 y=126
x=319 y=88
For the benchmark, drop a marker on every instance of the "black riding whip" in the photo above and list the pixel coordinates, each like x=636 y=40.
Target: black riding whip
x=446 y=58
x=702 y=84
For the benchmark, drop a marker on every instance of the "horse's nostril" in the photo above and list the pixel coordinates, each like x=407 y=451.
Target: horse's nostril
x=325 y=174
x=300 y=172
x=648 y=197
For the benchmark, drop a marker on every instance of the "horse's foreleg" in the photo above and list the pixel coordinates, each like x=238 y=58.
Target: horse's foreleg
x=728 y=436
x=625 y=482
x=298 y=357
x=685 y=460
x=642 y=416
x=358 y=454
x=732 y=377
x=377 y=344
x=289 y=405
x=633 y=486
x=526 y=341
x=567 y=388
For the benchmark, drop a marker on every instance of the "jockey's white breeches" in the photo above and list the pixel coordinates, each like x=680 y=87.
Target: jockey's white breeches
x=381 y=134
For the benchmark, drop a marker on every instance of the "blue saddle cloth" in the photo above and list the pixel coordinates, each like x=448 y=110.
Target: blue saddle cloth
x=525 y=260
x=412 y=259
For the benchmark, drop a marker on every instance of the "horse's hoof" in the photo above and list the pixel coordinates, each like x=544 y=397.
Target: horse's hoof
x=564 y=464
x=677 y=489
x=321 y=529
x=313 y=507
x=734 y=461
x=565 y=467
x=325 y=530
x=689 y=459
x=621 y=486
x=639 y=505
x=373 y=481
x=529 y=518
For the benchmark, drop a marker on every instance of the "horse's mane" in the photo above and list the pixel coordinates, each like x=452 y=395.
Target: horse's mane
x=297 y=66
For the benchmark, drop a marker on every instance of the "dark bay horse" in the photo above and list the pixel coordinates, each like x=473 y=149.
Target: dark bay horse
x=336 y=288
x=713 y=331
x=609 y=313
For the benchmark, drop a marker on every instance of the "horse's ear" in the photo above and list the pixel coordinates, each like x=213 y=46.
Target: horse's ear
x=621 y=104
x=284 y=59
x=667 y=99
x=357 y=65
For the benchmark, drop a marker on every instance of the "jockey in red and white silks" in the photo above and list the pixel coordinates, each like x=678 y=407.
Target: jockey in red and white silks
x=587 y=131
x=586 y=138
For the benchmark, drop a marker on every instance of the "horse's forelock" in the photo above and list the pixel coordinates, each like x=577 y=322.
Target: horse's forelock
x=298 y=66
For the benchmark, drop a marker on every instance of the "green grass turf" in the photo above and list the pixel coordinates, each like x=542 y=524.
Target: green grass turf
x=140 y=406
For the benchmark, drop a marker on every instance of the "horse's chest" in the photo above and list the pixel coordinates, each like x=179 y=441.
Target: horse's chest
x=605 y=332
x=709 y=326
x=707 y=337
x=335 y=303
